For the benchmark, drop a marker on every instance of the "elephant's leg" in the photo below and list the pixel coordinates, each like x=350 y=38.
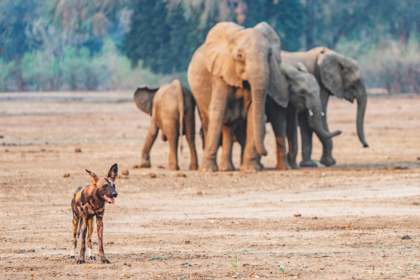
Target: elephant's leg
x=217 y=108
x=226 y=163
x=203 y=129
x=190 y=135
x=240 y=133
x=281 y=152
x=292 y=137
x=278 y=123
x=251 y=161
x=327 y=143
x=172 y=132
x=306 y=133
x=152 y=133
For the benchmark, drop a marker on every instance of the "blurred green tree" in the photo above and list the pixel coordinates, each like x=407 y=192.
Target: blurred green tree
x=286 y=16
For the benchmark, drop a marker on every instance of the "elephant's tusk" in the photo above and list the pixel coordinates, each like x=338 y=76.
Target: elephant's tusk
x=311 y=114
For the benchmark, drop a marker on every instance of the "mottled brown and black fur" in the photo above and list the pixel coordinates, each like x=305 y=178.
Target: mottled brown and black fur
x=89 y=202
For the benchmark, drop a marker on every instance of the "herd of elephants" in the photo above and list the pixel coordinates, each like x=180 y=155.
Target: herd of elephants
x=240 y=79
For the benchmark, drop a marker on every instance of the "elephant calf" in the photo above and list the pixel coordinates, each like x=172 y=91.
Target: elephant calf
x=172 y=109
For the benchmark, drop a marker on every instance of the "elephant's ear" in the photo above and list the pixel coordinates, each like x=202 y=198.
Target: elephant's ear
x=271 y=35
x=330 y=72
x=278 y=87
x=143 y=97
x=218 y=46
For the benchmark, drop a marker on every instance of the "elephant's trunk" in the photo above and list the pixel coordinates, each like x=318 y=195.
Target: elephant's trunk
x=259 y=84
x=316 y=123
x=361 y=110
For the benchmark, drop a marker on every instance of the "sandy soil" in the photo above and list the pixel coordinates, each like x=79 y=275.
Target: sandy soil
x=358 y=220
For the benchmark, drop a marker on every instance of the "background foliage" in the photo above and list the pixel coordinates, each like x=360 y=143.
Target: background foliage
x=115 y=44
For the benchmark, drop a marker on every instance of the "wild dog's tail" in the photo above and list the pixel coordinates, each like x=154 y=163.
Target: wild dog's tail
x=73 y=201
x=77 y=190
x=74 y=210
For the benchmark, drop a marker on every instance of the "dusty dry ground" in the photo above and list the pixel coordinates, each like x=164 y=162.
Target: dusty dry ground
x=346 y=222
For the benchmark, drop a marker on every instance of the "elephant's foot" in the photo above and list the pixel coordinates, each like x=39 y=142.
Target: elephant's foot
x=281 y=166
x=80 y=260
x=328 y=160
x=260 y=165
x=227 y=166
x=209 y=166
x=193 y=166
x=251 y=166
x=145 y=163
x=291 y=160
x=173 y=166
x=308 y=163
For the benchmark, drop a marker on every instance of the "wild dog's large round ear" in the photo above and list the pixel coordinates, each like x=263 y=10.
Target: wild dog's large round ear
x=113 y=172
x=92 y=175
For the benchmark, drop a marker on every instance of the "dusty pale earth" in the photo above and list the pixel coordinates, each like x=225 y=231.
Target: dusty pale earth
x=357 y=220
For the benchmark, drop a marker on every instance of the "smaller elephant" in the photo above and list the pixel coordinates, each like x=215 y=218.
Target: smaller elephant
x=339 y=76
x=172 y=108
x=304 y=95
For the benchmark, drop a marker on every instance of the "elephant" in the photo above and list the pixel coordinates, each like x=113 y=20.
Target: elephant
x=172 y=108
x=231 y=58
x=337 y=75
x=304 y=95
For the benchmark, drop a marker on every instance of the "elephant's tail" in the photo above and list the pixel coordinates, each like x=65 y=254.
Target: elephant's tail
x=180 y=96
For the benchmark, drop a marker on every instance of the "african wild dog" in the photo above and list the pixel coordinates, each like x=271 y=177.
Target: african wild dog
x=89 y=202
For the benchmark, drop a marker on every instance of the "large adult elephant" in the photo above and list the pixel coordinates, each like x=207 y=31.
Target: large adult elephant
x=231 y=58
x=339 y=76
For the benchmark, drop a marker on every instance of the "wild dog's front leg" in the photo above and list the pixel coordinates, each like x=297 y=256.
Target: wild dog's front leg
x=100 y=230
x=75 y=224
x=81 y=258
x=89 y=239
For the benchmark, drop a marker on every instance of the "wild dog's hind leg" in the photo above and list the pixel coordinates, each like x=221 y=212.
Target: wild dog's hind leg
x=89 y=239
x=81 y=258
x=75 y=224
